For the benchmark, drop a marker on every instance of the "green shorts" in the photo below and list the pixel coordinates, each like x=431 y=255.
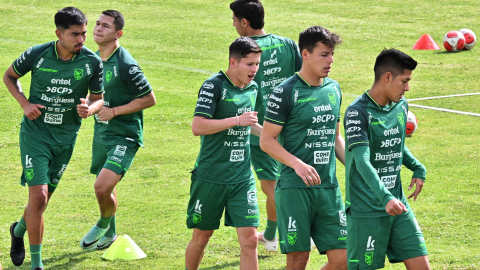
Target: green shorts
x=208 y=200
x=310 y=212
x=117 y=158
x=264 y=165
x=370 y=239
x=43 y=164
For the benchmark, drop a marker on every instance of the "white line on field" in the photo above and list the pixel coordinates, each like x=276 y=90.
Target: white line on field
x=459 y=95
x=208 y=72
x=443 y=110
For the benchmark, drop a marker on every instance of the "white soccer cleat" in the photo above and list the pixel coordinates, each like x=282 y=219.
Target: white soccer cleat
x=270 y=246
x=106 y=242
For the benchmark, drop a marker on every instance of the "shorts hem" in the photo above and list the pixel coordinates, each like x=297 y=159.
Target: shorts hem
x=403 y=259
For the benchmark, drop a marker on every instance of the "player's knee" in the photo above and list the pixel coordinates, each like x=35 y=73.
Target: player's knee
x=249 y=242
x=201 y=238
x=38 y=200
x=101 y=190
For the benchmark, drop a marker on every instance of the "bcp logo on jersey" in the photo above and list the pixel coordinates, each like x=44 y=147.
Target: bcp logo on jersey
x=120 y=150
x=237 y=155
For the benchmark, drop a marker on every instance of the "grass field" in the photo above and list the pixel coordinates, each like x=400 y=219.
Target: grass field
x=181 y=43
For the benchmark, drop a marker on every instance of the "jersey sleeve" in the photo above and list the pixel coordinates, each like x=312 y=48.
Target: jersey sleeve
x=356 y=128
x=409 y=161
x=135 y=80
x=208 y=97
x=341 y=99
x=298 y=56
x=278 y=106
x=25 y=63
x=96 y=82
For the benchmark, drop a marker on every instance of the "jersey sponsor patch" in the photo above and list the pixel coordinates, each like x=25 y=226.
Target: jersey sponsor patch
x=237 y=155
x=389 y=181
x=321 y=157
x=55 y=119
x=120 y=150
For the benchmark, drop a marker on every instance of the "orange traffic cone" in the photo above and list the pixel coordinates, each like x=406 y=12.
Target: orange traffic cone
x=425 y=42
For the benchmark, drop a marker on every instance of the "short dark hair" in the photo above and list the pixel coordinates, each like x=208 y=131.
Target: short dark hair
x=309 y=37
x=69 y=16
x=394 y=61
x=251 y=10
x=118 y=19
x=243 y=46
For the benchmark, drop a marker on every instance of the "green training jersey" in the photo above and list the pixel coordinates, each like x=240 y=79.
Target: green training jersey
x=309 y=116
x=58 y=85
x=280 y=60
x=382 y=129
x=224 y=157
x=123 y=81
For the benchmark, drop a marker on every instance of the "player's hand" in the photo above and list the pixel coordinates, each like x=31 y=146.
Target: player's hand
x=105 y=113
x=307 y=173
x=395 y=207
x=32 y=111
x=248 y=119
x=82 y=109
x=419 y=185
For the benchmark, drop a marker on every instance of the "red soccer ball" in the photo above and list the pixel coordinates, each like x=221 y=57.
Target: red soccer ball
x=453 y=41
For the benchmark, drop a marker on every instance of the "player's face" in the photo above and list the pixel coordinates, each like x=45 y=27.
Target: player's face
x=104 y=30
x=73 y=38
x=320 y=60
x=246 y=68
x=241 y=30
x=396 y=87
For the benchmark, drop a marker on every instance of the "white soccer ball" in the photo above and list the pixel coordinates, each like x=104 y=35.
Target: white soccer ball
x=470 y=38
x=412 y=124
x=454 y=41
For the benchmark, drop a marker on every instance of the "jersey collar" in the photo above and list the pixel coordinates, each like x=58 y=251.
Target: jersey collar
x=225 y=74
x=113 y=53
x=323 y=81
x=380 y=107
x=56 y=53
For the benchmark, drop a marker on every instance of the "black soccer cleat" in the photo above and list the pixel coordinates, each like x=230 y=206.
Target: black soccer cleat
x=17 y=249
x=38 y=268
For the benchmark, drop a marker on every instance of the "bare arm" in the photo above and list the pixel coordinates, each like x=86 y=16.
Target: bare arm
x=271 y=146
x=257 y=130
x=204 y=126
x=10 y=78
x=339 y=146
x=133 y=106
x=90 y=106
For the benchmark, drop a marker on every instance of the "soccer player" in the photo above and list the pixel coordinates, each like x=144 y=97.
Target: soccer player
x=380 y=221
x=62 y=73
x=304 y=113
x=280 y=60
x=222 y=178
x=118 y=125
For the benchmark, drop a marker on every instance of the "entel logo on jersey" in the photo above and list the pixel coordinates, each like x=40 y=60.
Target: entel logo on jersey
x=133 y=70
x=391 y=131
x=352 y=113
x=60 y=81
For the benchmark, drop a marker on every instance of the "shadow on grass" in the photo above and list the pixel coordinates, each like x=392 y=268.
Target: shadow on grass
x=225 y=265
x=73 y=259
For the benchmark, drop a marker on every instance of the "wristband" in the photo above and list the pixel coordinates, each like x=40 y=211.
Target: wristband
x=238 y=120
x=113 y=112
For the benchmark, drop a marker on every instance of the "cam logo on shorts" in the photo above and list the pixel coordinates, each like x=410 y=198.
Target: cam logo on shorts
x=120 y=150
x=252 y=197
x=78 y=73
x=343 y=218
x=29 y=174
x=332 y=99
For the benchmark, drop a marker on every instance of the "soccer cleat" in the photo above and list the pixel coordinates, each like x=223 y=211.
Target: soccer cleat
x=106 y=242
x=270 y=246
x=89 y=241
x=38 y=268
x=17 y=249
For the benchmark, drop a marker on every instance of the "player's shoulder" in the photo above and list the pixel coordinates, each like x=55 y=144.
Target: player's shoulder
x=359 y=105
x=91 y=56
x=41 y=47
x=287 y=86
x=125 y=57
x=329 y=81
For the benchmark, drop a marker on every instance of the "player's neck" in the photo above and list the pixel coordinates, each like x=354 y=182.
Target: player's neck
x=255 y=32
x=106 y=49
x=377 y=94
x=63 y=53
x=231 y=76
x=310 y=78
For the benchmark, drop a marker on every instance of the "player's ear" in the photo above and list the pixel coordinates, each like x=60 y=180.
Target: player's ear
x=244 y=22
x=119 y=34
x=305 y=54
x=388 y=77
x=58 y=33
x=232 y=62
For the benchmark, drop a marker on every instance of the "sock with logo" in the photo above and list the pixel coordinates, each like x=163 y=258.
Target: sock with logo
x=112 y=229
x=20 y=229
x=103 y=222
x=36 y=254
x=271 y=230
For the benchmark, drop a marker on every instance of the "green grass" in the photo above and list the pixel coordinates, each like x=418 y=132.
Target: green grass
x=178 y=44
